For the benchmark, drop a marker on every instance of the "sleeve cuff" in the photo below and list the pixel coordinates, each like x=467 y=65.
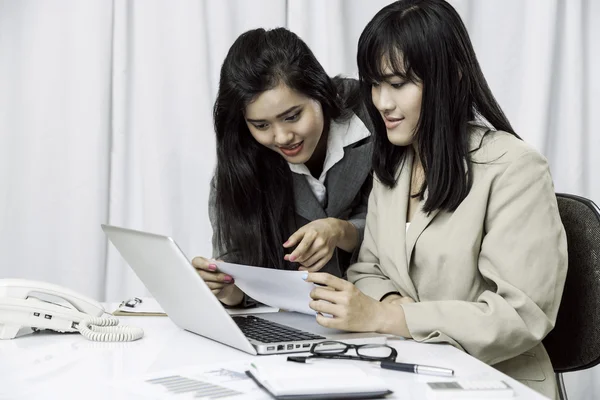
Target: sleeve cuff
x=376 y=287
x=418 y=323
x=389 y=294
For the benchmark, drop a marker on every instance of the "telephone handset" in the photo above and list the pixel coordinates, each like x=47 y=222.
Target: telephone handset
x=24 y=308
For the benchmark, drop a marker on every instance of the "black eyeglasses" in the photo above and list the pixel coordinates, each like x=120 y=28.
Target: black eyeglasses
x=366 y=352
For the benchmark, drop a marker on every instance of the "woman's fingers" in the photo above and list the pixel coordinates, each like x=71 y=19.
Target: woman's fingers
x=317 y=261
x=316 y=247
x=208 y=271
x=300 y=252
x=326 y=279
x=204 y=264
x=326 y=307
x=325 y=293
x=215 y=277
x=295 y=238
x=314 y=255
x=215 y=285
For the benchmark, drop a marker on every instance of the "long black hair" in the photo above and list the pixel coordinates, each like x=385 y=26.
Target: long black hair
x=254 y=185
x=426 y=41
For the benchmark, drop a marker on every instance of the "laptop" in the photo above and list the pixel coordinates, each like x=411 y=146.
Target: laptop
x=170 y=277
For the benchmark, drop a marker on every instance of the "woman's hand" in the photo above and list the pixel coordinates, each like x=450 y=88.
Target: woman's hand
x=317 y=241
x=219 y=283
x=351 y=309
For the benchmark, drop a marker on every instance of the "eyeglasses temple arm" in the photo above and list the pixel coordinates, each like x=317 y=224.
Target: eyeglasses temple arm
x=298 y=359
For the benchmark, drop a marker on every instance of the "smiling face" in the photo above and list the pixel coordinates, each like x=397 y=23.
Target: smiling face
x=286 y=122
x=399 y=103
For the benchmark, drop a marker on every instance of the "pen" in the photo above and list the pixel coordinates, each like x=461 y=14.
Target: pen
x=131 y=302
x=417 y=369
x=386 y=364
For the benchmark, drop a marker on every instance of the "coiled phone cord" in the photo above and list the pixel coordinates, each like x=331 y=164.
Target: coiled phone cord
x=105 y=329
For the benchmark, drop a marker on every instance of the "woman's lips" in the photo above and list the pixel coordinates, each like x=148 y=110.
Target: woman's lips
x=391 y=123
x=292 y=151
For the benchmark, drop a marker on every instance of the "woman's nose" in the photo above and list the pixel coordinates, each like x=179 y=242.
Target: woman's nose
x=282 y=136
x=382 y=99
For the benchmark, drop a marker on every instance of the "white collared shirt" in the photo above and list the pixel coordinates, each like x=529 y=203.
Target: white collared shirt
x=340 y=135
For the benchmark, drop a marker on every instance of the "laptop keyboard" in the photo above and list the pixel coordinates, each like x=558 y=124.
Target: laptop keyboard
x=266 y=331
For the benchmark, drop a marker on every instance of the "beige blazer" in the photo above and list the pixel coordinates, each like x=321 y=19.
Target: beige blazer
x=488 y=277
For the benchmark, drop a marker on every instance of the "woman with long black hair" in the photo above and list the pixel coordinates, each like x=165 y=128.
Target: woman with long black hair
x=463 y=242
x=293 y=168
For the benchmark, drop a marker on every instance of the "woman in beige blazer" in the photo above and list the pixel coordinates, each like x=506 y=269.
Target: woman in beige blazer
x=463 y=241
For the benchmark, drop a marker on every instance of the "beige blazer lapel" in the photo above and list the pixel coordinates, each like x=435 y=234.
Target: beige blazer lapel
x=397 y=210
x=421 y=220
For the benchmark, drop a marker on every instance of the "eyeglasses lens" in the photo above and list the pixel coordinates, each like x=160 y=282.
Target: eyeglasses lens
x=329 y=347
x=374 y=351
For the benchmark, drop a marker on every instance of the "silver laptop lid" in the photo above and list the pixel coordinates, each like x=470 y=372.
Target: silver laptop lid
x=168 y=274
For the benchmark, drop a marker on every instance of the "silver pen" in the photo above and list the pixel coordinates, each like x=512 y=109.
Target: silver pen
x=386 y=364
x=417 y=369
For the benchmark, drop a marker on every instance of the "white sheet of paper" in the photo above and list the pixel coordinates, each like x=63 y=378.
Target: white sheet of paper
x=274 y=287
x=286 y=378
x=211 y=381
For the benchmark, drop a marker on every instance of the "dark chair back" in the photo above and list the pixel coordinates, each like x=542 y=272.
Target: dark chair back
x=574 y=343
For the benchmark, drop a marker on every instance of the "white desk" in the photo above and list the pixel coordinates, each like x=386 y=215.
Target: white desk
x=67 y=366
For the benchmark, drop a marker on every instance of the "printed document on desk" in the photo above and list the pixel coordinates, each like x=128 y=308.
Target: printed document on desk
x=229 y=380
x=217 y=381
x=274 y=287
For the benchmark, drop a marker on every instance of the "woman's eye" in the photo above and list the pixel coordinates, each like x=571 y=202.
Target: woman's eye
x=397 y=85
x=374 y=84
x=293 y=118
x=261 y=126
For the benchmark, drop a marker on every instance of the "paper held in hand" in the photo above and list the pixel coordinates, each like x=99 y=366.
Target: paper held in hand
x=274 y=287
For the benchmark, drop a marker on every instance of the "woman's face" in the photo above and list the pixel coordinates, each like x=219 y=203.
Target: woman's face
x=286 y=122
x=399 y=103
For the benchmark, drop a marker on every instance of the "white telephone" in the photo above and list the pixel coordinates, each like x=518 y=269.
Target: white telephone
x=23 y=311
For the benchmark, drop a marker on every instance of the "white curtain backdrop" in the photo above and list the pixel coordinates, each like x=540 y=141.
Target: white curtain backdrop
x=105 y=115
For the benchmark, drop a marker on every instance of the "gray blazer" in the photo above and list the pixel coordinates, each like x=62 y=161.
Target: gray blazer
x=348 y=185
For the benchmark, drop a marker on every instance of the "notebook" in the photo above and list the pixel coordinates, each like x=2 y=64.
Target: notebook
x=322 y=380
x=145 y=306
x=148 y=306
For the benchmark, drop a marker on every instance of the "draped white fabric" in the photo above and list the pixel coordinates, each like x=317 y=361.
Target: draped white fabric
x=105 y=114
